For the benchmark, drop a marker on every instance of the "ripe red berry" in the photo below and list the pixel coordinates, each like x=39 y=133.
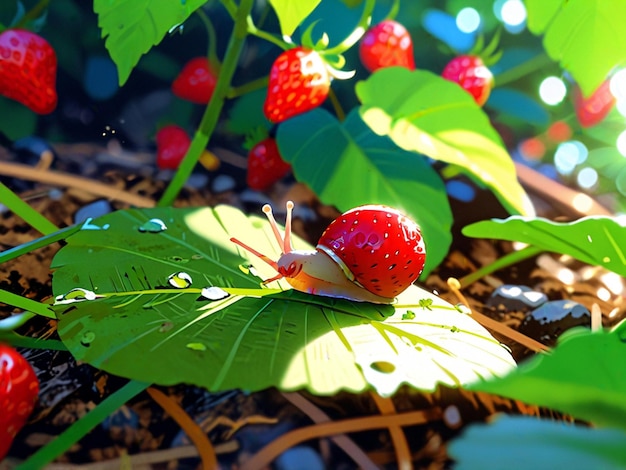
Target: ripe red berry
x=28 y=68
x=299 y=81
x=386 y=44
x=472 y=74
x=19 y=389
x=265 y=165
x=196 y=81
x=592 y=110
x=172 y=145
x=381 y=248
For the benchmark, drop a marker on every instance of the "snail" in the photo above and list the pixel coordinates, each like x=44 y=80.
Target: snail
x=370 y=253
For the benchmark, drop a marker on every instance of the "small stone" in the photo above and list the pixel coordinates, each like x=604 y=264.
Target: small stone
x=516 y=298
x=299 y=458
x=91 y=211
x=223 y=183
x=548 y=322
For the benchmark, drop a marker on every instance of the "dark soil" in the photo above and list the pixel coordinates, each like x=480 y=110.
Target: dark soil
x=142 y=428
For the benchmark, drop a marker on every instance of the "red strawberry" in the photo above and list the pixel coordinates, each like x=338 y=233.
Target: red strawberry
x=592 y=110
x=386 y=44
x=172 y=145
x=18 y=393
x=196 y=81
x=472 y=74
x=299 y=81
x=28 y=68
x=265 y=165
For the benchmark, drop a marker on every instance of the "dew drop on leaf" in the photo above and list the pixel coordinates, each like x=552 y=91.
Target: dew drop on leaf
x=196 y=346
x=383 y=366
x=75 y=295
x=180 y=280
x=214 y=293
x=153 y=226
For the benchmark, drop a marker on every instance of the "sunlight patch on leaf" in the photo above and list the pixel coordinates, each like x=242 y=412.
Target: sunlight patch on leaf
x=424 y=113
x=139 y=326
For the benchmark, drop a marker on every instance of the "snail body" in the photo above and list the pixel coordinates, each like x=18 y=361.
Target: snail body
x=370 y=253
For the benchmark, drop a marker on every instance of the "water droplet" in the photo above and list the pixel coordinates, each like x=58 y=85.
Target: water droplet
x=87 y=338
x=180 y=280
x=197 y=346
x=385 y=367
x=214 y=293
x=166 y=326
x=75 y=295
x=179 y=259
x=153 y=226
x=197 y=256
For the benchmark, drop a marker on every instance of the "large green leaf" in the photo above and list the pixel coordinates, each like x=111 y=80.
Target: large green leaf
x=347 y=165
x=596 y=240
x=132 y=27
x=425 y=113
x=119 y=310
x=291 y=14
x=583 y=376
x=527 y=442
x=586 y=37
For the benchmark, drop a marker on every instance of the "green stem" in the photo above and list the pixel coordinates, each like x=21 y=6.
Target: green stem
x=393 y=11
x=33 y=245
x=537 y=62
x=20 y=341
x=214 y=108
x=20 y=208
x=359 y=30
x=231 y=7
x=503 y=262
x=212 y=49
x=32 y=14
x=80 y=428
x=253 y=85
x=254 y=31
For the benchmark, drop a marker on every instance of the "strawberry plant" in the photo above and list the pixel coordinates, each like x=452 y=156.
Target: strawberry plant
x=406 y=140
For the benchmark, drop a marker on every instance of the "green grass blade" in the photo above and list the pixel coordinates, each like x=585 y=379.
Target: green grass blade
x=15 y=204
x=29 y=305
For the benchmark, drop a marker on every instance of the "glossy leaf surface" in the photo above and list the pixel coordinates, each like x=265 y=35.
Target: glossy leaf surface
x=290 y=14
x=422 y=112
x=587 y=38
x=595 y=240
x=347 y=165
x=529 y=442
x=582 y=376
x=132 y=302
x=132 y=27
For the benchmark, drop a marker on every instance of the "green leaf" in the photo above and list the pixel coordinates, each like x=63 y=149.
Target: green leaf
x=586 y=38
x=132 y=27
x=582 y=376
x=425 y=113
x=118 y=311
x=290 y=14
x=347 y=165
x=16 y=120
x=595 y=240
x=528 y=442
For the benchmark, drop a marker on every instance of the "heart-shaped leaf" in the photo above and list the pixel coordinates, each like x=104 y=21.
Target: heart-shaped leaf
x=163 y=295
x=425 y=113
x=586 y=38
x=595 y=240
x=582 y=376
x=134 y=26
x=347 y=165
x=528 y=442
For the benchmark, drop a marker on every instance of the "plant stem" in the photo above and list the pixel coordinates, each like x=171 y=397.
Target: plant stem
x=253 y=85
x=80 y=428
x=32 y=14
x=332 y=96
x=231 y=7
x=393 y=11
x=361 y=27
x=214 y=108
x=253 y=30
x=46 y=240
x=20 y=208
x=212 y=49
x=507 y=260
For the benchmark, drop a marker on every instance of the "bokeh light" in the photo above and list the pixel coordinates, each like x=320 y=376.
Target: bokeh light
x=552 y=90
x=532 y=148
x=621 y=143
x=559 y=131
x=587 y=178
x=468 y=20
x=568 y=155
x=513 y=12
x=617 y=85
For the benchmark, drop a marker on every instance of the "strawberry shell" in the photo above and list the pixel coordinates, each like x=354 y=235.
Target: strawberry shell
x=386 y=44
x=378 y=247
x=172 y=145
x=592 y=110
x=19 y=389
x=28 y=67
x=472 y=74
x=196 y=81
x=265 y=165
